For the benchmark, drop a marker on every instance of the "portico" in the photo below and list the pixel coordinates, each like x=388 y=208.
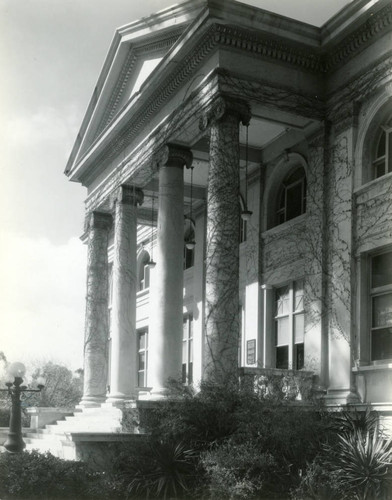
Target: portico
x=254 y=105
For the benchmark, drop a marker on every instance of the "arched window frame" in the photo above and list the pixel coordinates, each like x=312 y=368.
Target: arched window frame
x=279 y=172
x=284 y=210
x=382 y=155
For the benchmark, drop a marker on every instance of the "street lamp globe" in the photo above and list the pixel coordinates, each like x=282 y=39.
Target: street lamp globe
x=16 y=369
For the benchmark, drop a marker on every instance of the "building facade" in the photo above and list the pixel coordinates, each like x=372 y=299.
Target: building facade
x=238 y=166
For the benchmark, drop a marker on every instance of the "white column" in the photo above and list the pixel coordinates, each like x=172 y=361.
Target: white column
x=165 y=351
x=123 y=366
x=222 y=245
x=97 y=315
x=268 y=351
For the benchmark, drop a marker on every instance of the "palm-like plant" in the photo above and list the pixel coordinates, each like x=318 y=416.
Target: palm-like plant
x=362 y=463
x=166 y=471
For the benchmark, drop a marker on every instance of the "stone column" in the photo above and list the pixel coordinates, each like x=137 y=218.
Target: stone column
x=123 y=366
x=222 y=245
x=97 y=314
x=165 y=352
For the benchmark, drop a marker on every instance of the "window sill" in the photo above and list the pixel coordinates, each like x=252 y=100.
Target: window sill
x=373 y=182
x=285 y=225
x=375 y=367
x=141 y=293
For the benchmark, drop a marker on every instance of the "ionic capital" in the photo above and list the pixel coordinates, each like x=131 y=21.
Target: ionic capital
x=129 y=195
x=173 y=155
x=100 y=220
x=222 y=107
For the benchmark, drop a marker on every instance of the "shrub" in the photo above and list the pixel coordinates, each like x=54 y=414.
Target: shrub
x=357 y=464
x=240 y=471
x=362 y=464
x=157 y=469
x=216 y=422
x=30 y=475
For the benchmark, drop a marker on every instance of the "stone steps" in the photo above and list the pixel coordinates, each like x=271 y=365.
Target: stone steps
x=99 y=420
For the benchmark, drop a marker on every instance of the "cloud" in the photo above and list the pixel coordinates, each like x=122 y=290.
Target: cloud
x=42 y=299
x=46 y=125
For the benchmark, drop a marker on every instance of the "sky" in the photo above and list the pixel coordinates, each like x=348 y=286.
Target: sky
x=51 y=54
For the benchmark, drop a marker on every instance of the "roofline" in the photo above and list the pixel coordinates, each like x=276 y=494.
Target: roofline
x=332 y=32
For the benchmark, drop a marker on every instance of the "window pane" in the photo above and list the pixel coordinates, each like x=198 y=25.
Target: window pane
x=282 y=301
x=381 y=146
x=282 y=331
x=142 y=341
x=190 y=373
x=382 y=270
x=299 y=296
x=184 y=351
x=142 y=358
x=185 y=329
x=299 y=356
x=282 y=357
x=299 y=328
x=190 y=326
x=294 y=201
x=140 y=379
x=382 y=344
x=382 y=310
x=183 y=377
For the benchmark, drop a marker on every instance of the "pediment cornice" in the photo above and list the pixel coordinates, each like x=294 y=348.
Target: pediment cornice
x=153 y=47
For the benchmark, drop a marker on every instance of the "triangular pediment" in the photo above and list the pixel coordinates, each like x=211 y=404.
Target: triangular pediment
x=136 y=51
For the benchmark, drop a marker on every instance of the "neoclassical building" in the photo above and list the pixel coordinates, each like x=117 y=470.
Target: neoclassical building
x=238 y=167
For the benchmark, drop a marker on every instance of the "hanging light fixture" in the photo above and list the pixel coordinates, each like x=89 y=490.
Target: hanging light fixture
x=151 y=264
x=190 y=244
x=246 y=214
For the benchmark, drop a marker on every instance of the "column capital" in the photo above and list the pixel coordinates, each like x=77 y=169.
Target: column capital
x=100 y=220
x=173 y=155
x=129 y=195
x=223 y=106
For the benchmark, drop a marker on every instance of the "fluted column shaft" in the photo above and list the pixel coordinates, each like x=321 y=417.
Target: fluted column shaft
x=97 y=315
x=165 y=353
x=123 y=366
x=222 y=245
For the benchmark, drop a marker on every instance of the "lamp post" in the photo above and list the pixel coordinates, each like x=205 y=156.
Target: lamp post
x=15 y=389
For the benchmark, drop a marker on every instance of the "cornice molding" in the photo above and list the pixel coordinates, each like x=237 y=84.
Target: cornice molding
x=255 y=43
x=352 y=44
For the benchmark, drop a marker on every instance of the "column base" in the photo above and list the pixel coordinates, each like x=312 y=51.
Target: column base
x=91 y=401
x=119 y=399
x=158 y=393
x=341 y=397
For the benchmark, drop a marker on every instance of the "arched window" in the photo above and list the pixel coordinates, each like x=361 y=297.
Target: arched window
x=144 y=272
x=382 y=157
x=292 y=196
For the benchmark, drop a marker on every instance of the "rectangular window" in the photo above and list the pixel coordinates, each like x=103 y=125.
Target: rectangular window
x=142 y=350
x=290 y=326
x=381 y=306
x=187 y=350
